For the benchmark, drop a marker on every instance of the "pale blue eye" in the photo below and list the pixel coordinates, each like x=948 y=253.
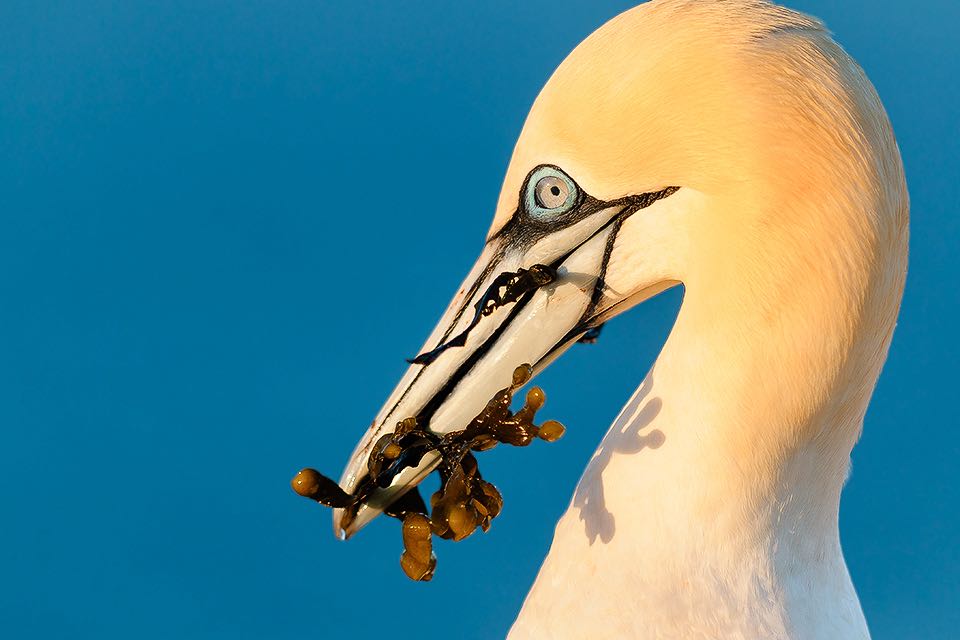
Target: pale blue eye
x=550 y=192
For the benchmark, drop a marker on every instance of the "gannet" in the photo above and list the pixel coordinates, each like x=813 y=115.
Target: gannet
x=733 y=147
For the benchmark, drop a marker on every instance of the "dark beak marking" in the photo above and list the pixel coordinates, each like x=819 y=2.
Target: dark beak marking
x=506 y=288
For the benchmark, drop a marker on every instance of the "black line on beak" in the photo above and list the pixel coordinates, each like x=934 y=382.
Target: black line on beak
x=506 y=288
x=474 y=287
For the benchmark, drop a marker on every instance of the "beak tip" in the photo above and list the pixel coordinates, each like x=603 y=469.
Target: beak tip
x=338 y=531
x=345 y=532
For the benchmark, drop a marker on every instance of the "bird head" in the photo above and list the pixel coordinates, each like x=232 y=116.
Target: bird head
x=682 y=142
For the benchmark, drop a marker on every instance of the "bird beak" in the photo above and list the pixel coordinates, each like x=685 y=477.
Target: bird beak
x=531 y=294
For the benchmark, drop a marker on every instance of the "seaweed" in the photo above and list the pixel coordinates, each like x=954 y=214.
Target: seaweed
x=465 y=501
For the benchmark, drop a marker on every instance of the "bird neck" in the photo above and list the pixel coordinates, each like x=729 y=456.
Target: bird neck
x=713 y=499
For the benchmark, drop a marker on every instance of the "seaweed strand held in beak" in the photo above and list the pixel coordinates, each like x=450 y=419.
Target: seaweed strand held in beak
x=312 y=484
x=465 y=501
x=506 y=288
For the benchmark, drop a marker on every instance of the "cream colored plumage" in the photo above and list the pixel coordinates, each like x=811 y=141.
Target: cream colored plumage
x=792 y=249
x=710 y=509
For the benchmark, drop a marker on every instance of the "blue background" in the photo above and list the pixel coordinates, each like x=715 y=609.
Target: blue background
x=187 y=193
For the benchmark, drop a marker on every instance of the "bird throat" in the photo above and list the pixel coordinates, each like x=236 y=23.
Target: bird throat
x=713 y=496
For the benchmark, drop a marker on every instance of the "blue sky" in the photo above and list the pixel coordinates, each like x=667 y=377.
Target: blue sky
x=179 y=222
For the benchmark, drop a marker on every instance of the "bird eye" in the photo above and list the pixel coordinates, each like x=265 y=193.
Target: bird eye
x=549 y=192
